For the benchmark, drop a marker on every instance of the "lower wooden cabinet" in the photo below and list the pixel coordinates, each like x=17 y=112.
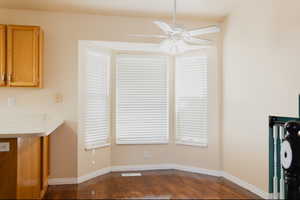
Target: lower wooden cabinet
x=24 y=169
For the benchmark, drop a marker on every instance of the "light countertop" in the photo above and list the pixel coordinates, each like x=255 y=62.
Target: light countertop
x=22 y=125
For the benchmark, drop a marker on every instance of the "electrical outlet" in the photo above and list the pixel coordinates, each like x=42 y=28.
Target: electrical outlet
x=58 y=98
x=11 y=101
x=147 y=155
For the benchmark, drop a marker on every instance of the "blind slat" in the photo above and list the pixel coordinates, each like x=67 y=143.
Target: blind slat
x=191 y=100
x=142 y=99
x=96 y=99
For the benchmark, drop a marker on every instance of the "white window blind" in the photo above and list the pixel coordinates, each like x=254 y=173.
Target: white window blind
x=96 y=99
x=191 y=100
x=142 y=99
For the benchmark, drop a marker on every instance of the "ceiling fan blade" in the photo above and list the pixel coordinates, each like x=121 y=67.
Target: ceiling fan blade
x=197 y=40
x=164 y=26
x=148 y=36
x=205 y=30
x=197 y=47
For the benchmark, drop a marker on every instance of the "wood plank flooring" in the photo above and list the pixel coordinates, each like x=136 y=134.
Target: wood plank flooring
x=160 y=184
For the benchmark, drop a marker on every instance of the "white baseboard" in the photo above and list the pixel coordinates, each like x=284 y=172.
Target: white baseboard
x=140 y=167
x=197 y=170
x=62 y=181
x=246 y=185
x=164 y=167
x=81 y=179
x=94 y=174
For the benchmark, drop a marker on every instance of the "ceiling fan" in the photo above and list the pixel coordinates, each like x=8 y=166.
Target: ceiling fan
x=177 y=39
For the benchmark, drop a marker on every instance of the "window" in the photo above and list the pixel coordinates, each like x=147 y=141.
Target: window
x=142 y=99
x=191 y=101
x=95 y=98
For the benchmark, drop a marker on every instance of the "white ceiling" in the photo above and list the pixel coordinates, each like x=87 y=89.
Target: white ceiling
x=148 y=8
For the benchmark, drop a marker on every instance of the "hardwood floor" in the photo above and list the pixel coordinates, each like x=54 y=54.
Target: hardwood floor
x=162 y=184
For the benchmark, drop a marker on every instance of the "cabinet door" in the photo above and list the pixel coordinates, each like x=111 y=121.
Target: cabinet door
x=23 y=56
x=8 y=170
x=2 y=54
x=29 y=168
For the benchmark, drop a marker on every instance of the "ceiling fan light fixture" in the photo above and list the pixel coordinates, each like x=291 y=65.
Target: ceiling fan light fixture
x=173 y=46
x=178 y=39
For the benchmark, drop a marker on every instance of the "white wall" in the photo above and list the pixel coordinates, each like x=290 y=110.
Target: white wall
x=62 y=33
x=261 y=70
x=261 y=78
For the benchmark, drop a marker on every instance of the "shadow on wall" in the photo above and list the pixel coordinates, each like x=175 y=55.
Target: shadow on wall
x=58 y=168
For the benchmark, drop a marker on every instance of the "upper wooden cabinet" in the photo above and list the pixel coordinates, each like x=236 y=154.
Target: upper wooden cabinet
x=2 y=54
x=23 y=56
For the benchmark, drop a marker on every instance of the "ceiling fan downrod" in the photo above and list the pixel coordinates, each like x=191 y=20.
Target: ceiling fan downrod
x=174 y=12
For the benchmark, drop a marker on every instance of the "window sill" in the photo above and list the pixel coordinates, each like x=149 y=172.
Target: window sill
x=97 y=147
x=140 y=143
x=192 y=144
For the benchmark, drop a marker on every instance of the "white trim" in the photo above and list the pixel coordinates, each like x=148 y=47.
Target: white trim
x=247 y=186
x=80 y=179
x=62 y=181
x=94 y=174
x=191 y=144
x=197 y=170
x=97 y=147
x=123 y=168
x=134 y=142
x=131 y=46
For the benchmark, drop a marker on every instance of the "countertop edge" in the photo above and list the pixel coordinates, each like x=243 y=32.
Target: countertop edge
x=49 y=129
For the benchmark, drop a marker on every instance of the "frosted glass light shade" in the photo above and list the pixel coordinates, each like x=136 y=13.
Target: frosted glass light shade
x=173 y=46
